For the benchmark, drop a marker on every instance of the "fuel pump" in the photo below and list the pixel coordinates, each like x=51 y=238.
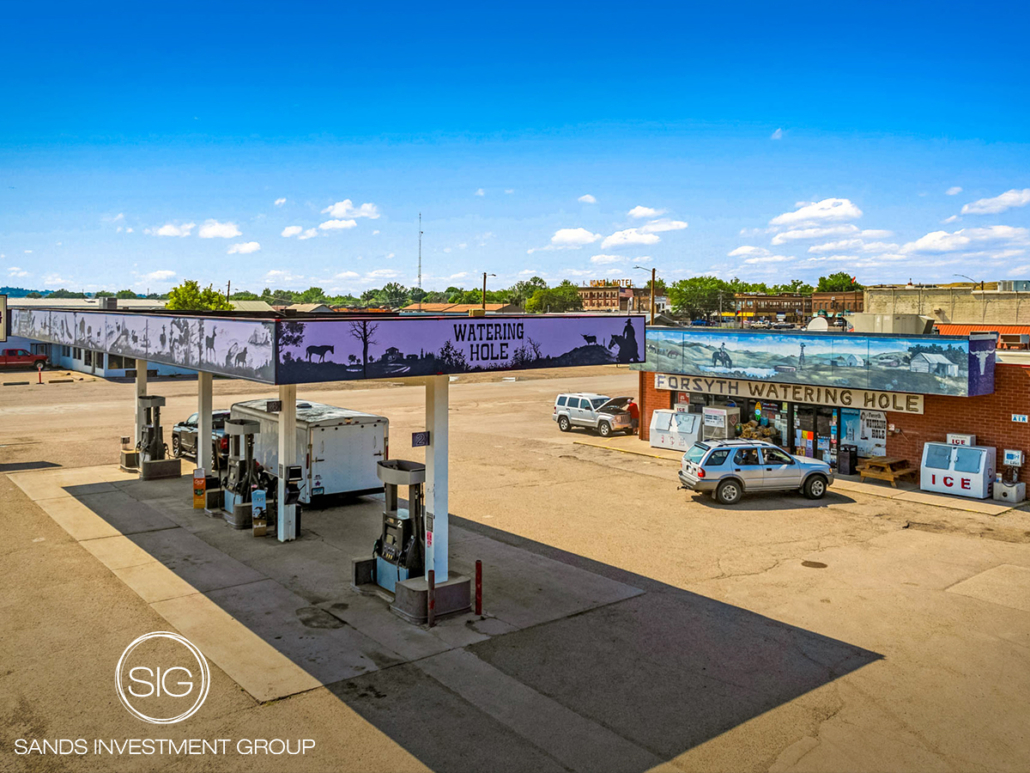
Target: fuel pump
x=241 y=473
x=153 y=452
x=151 y=445
x=400 y=550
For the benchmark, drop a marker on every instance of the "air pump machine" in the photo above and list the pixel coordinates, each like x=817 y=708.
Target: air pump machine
x=400 y=550
x=151 y=446
x=241 y=474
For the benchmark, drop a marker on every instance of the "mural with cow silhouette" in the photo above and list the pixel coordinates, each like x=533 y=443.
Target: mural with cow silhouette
x=395 y=347
x=227 y=347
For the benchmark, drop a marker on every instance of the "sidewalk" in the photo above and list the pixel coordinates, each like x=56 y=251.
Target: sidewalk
x=905 y=492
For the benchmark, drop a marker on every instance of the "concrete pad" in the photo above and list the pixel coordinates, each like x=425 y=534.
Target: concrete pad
x=873 y=489
x=79 y=521
x=955 y=503
x=154 y=582
x=273 y=613
x=1007 y=585
x=526 y=589
x=254 y=664
x=117 y=552
x=47 y=484
x=193 y=560
x=581 y=744
x=372 y=617
x=124 y=513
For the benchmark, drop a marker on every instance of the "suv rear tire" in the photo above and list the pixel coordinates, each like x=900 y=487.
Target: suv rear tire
x=564 y=424
x=815 y=487
x=604 y=429
x=728 y=492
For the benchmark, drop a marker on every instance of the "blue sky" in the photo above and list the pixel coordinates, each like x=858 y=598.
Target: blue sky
x=766 y=142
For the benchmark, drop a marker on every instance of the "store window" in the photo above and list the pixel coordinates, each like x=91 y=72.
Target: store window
x=87 y=358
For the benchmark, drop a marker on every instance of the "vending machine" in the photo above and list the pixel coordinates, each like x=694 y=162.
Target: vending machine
x=966 y=471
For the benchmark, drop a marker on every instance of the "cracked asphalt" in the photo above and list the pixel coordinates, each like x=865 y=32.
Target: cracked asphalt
x=854 y=633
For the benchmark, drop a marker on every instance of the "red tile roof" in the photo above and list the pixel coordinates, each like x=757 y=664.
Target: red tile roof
x=964 y=330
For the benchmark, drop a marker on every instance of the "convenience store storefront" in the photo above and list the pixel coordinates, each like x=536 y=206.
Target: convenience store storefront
x=811 y=393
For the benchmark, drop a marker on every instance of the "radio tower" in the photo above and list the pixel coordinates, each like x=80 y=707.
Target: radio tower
x=420 y=262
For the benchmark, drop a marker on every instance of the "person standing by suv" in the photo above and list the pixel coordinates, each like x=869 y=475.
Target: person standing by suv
x=634 y=416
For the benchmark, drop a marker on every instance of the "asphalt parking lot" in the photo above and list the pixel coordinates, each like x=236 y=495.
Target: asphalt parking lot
x=853 y=633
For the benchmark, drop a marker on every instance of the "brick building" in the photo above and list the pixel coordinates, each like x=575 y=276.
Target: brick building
x=845 y=302
x=770 y=308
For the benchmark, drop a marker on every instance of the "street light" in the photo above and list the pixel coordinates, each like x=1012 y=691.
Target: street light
x=974 y=281
x=485 y=275
x=653 y=272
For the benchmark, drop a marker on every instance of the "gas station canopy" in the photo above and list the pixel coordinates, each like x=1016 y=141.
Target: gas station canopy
x=289 y=350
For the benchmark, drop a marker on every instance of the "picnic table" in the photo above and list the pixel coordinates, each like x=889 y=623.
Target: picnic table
x=886 y=468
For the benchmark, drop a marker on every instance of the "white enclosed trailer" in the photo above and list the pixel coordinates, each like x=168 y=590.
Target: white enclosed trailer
x=337 y=448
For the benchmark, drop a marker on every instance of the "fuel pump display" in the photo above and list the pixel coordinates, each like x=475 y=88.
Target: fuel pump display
x=241 y=473
x=400 y=549
x=153 y=451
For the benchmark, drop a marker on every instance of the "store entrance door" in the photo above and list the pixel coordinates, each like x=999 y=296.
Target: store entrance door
x=816 y=432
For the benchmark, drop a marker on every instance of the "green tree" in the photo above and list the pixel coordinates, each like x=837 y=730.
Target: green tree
x=311 y=295
x=105 y=294
x=34 y=295
x=701 y=296
x=564 y=297
x=126 y=294
x=794 y=287
x=520 y=292
x=392 y=296
x=840 y=282
x=189 y=296
x=245 y=295
x=62 y=293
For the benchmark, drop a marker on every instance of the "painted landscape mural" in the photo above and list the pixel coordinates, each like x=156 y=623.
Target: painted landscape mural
x=228 y=347
x=946 y=365
x=338 y=350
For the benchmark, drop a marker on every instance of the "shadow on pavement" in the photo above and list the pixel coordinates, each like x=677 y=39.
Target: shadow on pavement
x=22 y=466
x=623 y=685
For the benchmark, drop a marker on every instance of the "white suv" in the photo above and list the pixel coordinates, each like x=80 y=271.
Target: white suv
x=598 y=412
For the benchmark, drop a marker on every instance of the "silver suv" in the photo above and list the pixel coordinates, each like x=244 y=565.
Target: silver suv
x=598 y=412
x=730 y=468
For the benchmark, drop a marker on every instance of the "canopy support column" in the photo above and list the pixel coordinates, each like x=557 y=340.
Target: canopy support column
x=436 y=477
x=141 y=391
x=287 y=514
x=204 y=447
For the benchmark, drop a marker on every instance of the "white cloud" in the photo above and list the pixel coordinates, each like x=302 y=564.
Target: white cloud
x=1020 y=270
x=814 y=233
x=53 y=280
x=28 y=252
x=310 y=233
x=14 y=271
x=162 y=275
x=508 y=191
x=951 y=219
x=282 y=277
x=389 y=255
x=776 y=135
x=659 y=226
x=347 y=275
x=586 y=198
x=825 y=211
x=461 y=275
x=843 y=244
x=748 y=250
x=875 y=234
x=382 y=273
x=601 y=260
x=954 y=190
x=942 y=241
x=244 y=248
x=170 y=229
x=343 y=210
x=640 y=211
x=292 y=230
x=629 y=236
x=280 y=202
x=1006 y=201
x=480 y=192
x=336 y=225
x=126 y=229
x=769 y=259
x=376 y=232
x=573 y=237
x=212 y=229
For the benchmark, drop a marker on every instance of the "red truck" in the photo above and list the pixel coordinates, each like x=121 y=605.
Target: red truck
x=21 y=358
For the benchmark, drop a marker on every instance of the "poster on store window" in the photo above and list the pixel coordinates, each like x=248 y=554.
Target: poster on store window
x=866 y=430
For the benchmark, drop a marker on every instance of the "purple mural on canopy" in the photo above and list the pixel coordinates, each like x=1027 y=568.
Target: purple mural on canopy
x=395 y=347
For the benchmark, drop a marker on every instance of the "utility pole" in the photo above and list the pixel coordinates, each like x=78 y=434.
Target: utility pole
x=485 y=275
x=653 y=272
x=420 y=262
x=228 y=285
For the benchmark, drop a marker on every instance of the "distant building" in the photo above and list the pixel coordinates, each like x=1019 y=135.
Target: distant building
x=997 y=303
x=461 y=309
x=771 y=308
x=309 y=308
x=836 y=303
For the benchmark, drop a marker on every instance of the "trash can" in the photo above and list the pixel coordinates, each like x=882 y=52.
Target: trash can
x=847 y=460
